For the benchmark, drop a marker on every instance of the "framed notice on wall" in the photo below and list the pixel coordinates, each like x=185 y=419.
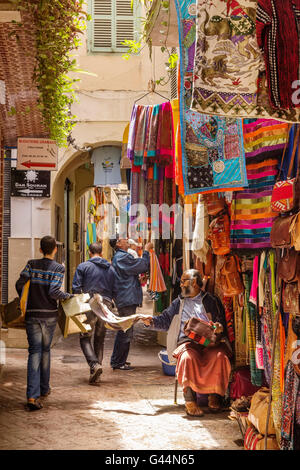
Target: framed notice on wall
x=37 y=154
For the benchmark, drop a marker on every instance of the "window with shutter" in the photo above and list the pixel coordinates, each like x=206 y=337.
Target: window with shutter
x=112 y=22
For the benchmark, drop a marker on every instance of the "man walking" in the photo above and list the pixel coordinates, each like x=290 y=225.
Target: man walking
x=94 y=276
x=128 y=296
x=46 y=277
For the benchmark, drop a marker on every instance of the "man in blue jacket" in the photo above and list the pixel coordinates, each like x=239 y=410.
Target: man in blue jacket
x=128 y=296
x=94 y=276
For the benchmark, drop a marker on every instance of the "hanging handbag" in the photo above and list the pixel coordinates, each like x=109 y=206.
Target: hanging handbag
x=201 y=331
x=230 y=277
x=286 y=193
x=288 y=268
x=295 y=231
x=219 y=234
x=290 y=298
x=280 y=236
x=214 y=203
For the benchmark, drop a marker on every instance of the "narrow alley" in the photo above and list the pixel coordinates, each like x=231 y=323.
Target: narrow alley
x=130 y=410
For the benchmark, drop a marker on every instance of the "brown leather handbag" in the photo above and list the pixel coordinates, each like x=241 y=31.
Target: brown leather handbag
x=219 y=234
x=290 y=298
x=230 y=279
x=289 y=266
x=280 y=233
x=214 y=203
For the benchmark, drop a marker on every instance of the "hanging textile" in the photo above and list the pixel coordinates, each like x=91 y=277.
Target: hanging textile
x=156 y=283
x=288 y=407
x=229 y=317
x=251 y=214
x=277 y=29
x=204 y=162
x=267 y=325
x=91 y=236
x=200 y=246
x=229 y=77
x=256 y=374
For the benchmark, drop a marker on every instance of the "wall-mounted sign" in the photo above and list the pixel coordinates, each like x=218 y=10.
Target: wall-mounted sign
x=30 y=183
x=37 y=154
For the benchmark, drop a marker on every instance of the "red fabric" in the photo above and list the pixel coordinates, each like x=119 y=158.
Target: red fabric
x=279 y=18
x=204 y=370
x=241 y=384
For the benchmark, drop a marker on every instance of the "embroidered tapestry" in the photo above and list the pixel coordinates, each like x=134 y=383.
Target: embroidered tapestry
x=212 y=155
x=229 y=77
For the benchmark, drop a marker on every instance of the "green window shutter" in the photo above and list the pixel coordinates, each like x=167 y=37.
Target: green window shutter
x=113 y=21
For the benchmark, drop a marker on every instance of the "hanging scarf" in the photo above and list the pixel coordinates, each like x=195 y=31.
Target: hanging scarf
x=165 y=135
x=150 y=145
x=229 y=316
x=131 y=133
x=256 y=374
x=267 y=327
x=140 y=136
x=288 y=407
x=157 y=283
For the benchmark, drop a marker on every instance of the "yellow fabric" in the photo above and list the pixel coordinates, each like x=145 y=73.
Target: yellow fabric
x=125 y=134
x=176 y=115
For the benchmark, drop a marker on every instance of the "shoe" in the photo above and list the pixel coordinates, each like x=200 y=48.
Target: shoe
x=124 y=367
x=45 y=395
x=95 y=374
x=214 y=403
x=128 y=363
x=34 y=404
x=192 y=409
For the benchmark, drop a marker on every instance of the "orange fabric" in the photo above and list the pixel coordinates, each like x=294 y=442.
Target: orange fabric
x=255 y=166
x=157 y=282
x=282 y=347
x=205 y=371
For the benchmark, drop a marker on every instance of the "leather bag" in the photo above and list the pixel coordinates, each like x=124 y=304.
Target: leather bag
x=230 y=279
x=295 y=231
x=258 y=411
x=280 y=232
x=13 y=313
x=290 y=298
x=214 y=203
x=289 y=266
x=219 y=235
x=286 y=193
x=200 y=331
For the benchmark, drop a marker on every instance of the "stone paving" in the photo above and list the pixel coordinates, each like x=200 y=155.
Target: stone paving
x=128 y=411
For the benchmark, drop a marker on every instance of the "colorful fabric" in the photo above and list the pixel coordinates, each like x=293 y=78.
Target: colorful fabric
x=165 y=135
x=211 y=155
x=227 y=58
x=131 y=133
x=277 y=29
x=204 y=370
x=256 y=374
x=251 y=213
x=156 y=283
x=229 y=317
x=151 y=140
x=208 y=163
x=267 y=327
x=140 y=135
x=288 y=407
x=228 y=78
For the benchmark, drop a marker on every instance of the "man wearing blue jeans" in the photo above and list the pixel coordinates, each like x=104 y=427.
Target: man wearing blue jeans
x=128 y=294
x=46 y=277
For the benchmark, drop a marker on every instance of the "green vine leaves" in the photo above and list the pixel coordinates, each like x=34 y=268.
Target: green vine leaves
x=57 y=26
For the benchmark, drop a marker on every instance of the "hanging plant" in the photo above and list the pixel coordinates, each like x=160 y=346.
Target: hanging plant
x=57 y=24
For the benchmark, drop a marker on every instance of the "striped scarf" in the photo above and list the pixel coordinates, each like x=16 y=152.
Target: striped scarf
x=251 y=214
x=157 y=283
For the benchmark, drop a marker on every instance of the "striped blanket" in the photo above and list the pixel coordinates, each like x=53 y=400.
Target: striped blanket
x=251 y=214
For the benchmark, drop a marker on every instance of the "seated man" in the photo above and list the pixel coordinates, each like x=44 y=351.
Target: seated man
x=199 y=369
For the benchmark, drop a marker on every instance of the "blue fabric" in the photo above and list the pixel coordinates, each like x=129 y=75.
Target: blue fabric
x=94 y=276
x=39 y=336
x=128 y=289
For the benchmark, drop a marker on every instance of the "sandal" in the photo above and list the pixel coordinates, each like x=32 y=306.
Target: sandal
x=214 y=403
x=192 y=409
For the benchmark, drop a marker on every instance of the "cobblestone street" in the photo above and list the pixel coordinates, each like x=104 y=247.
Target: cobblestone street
x=128 y=411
